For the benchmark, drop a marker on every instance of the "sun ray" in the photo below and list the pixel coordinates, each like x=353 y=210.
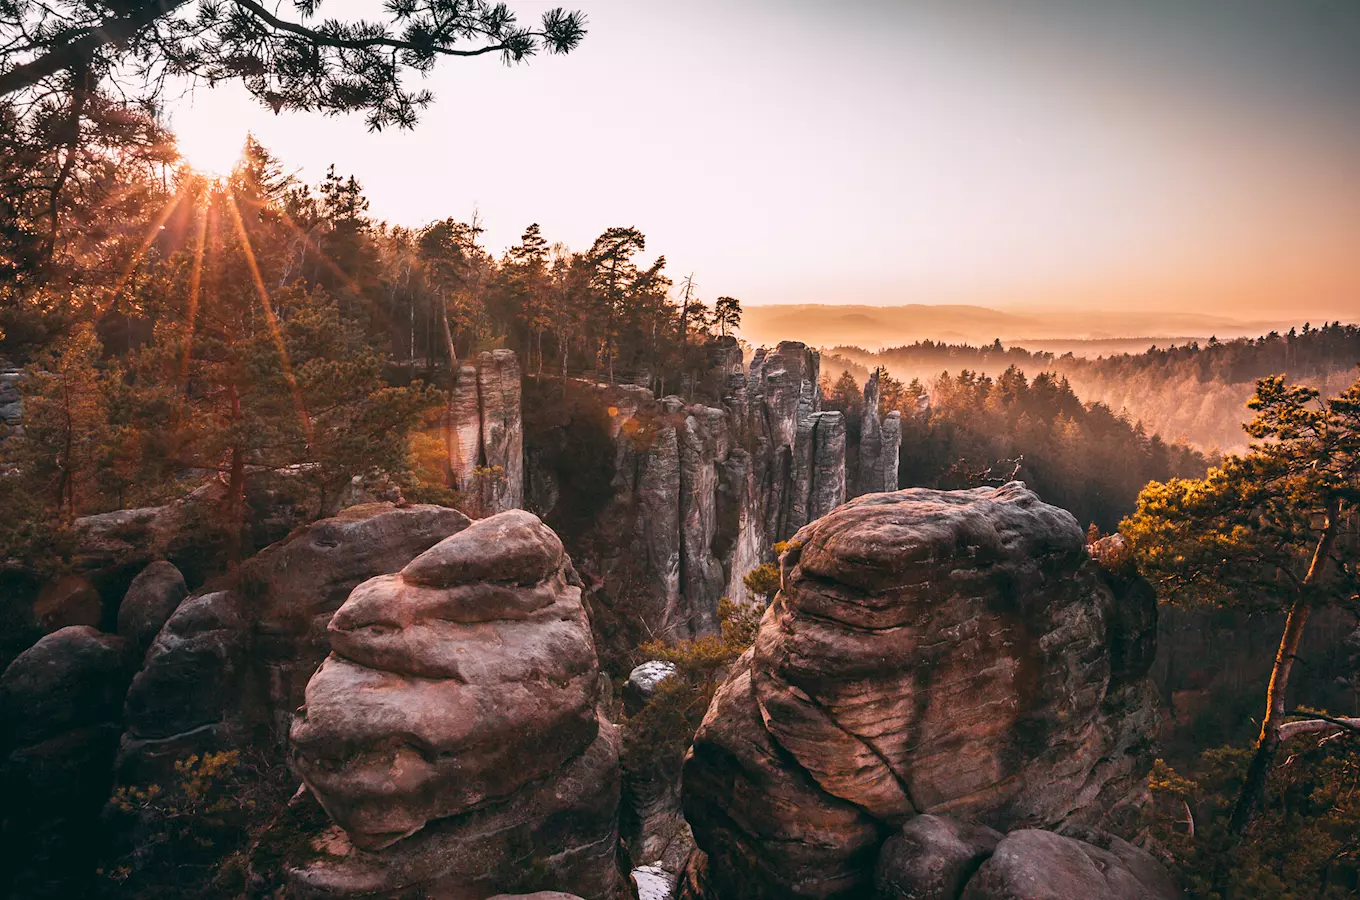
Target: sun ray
x=195 y=282
x=330 y=263
x=156 y=224
x=270 y=319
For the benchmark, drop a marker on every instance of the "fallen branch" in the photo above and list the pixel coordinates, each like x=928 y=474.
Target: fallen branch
x=1318 y=722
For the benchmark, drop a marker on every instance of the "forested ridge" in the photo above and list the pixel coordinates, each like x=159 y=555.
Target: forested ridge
x=232 y=466
x=183 y=327
x=967 y=429
x=1195 y=393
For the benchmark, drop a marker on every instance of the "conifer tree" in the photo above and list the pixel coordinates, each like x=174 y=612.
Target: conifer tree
x=1264 y=531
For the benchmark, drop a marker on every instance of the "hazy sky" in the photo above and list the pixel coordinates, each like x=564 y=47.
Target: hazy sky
x=1173 y=154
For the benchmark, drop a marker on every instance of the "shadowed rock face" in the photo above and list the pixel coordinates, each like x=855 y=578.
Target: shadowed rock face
x=457 y=712
x=930 y=652
x=60 y=715
x=151 y=599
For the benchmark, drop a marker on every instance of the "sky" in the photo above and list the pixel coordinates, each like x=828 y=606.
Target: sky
x=1102 y=154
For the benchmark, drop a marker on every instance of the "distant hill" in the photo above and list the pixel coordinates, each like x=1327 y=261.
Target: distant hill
x=1195 y=392
x=876 y=327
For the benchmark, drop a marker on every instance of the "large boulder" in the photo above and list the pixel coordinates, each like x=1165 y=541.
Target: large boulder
x=71 y=678
x=1040 y=865
x=930 y=652
x=230 y=666
x=458 y=710
x=150 y=601
x=942 y=652
x=932 y=858
x=61 y=704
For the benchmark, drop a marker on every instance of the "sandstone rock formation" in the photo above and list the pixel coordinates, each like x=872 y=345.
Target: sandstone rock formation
x=231 y=663
x=880 y=439
x=484 y=433
x=1040 y=865
x=61 y=707
x=932 y=858
x=150 y=601
x=453 y=733
x=11 y=401
x=688 y=497
x=930 y=652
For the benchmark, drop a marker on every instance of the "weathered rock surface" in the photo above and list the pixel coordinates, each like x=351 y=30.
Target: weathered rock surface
x=880 y=440
x=826 y=486
x=767 y=828
x=930 y=652
x=233 y=664
x=453 y=733
x=643 y=682
x=61 y=704
x=186 y=697
x=150 y=601
x=498 y=384
x=932 y=858
x=71 y=678
x=697 y=494
x=484 y=433
x=1040 y=865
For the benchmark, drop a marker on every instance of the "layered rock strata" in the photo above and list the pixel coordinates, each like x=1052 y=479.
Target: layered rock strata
x=930 y=652
x=453 y=733
x=880 y=440
x=231 y=665
x=700 y=492
x=484 y=433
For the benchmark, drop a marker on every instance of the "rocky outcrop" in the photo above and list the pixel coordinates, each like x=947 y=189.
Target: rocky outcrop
x=880 y=439
x=453 y=733
x=186 y=698
x=700 y=492
x=932 y=858
x=1040 y=865
x=61 y=710
x=484 y=433
x=944 y=653
x=231 y=665
x=150 y=601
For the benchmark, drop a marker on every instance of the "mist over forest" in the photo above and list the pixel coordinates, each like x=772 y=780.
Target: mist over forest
x=353 y=559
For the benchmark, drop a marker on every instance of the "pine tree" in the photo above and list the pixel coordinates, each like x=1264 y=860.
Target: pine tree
x=1263 y=530
x=727 y=314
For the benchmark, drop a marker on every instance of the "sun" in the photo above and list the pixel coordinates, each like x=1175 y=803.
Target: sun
x=210 y=149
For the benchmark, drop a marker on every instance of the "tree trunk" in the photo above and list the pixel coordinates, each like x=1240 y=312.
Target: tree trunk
x=233 y=503
x=448 y=337
x=1253 y=789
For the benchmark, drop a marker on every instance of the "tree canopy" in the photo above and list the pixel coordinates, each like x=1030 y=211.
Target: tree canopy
x=51 y=47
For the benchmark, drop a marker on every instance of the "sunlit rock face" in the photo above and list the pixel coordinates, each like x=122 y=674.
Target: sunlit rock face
x=669 y=504
x=484 y=433
x=453 y=733
x=929 y=652
x=880 y=440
